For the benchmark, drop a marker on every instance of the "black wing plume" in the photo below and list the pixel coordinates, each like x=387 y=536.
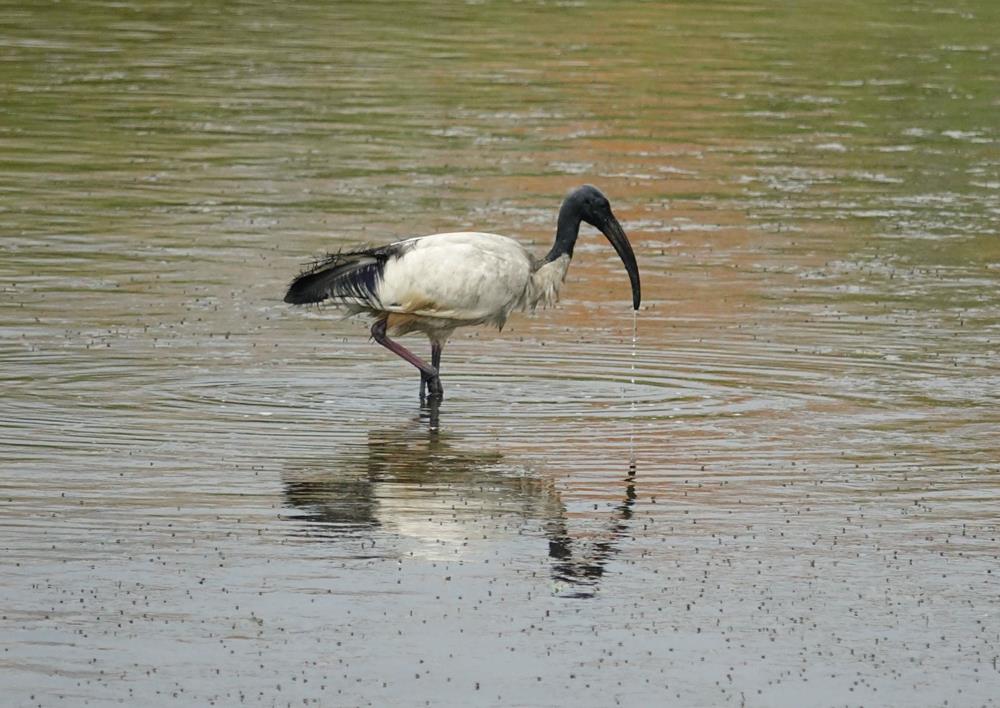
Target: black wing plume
x=353 y=275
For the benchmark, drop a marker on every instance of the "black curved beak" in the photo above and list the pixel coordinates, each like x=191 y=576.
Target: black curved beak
x=616 y=235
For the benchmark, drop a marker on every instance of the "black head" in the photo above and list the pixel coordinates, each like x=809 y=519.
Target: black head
x=587 y=203
x=591 y=205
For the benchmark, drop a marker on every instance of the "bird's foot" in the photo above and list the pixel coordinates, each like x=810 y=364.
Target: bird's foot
x=430 y=387
x=435 y=391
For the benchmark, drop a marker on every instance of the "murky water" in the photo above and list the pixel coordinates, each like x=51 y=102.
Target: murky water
x=785 y=493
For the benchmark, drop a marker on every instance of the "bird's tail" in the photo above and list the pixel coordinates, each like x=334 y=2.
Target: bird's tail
x=347 y=275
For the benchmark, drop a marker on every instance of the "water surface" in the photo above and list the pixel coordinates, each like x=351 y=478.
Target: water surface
x=784 y=493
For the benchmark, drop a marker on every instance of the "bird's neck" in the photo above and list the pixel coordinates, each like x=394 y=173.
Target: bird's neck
x=546 y=279
x=567 y=231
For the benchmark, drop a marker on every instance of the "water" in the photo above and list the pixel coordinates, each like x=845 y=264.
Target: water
x=784 y=491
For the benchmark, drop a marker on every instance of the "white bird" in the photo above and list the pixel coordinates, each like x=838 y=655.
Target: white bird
x=434 y=284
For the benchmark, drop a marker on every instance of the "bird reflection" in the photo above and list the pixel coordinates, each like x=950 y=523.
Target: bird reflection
x=417 y=481
x=580 y=569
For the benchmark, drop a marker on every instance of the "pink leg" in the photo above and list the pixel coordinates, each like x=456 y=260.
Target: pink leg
x=427 y=372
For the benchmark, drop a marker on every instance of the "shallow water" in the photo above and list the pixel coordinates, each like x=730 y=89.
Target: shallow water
x=785 y=492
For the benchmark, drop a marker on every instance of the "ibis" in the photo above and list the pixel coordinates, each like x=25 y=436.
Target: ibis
x=437 y=283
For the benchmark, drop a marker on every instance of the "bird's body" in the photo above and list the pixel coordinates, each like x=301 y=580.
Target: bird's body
x=466 y=278
x=435 y=284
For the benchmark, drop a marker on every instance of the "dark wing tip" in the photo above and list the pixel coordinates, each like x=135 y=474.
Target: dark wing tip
x=304 y=290
x=311 y=285
x=352 y=275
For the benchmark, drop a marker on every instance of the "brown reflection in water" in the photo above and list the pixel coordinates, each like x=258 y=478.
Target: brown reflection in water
x=419 y=481
x=709 y=265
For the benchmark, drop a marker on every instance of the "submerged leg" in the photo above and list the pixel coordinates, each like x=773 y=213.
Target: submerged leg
x=427 y=372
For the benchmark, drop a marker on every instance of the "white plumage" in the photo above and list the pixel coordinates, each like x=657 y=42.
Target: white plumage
x=434 y=284
x=465 y=278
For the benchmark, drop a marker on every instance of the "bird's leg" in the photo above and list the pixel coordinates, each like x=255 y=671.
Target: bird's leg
x=434 y=384
x=436 y=348
x=426 y=370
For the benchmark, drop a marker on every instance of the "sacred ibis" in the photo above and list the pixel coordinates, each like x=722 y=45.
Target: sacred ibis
x=434 y=284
